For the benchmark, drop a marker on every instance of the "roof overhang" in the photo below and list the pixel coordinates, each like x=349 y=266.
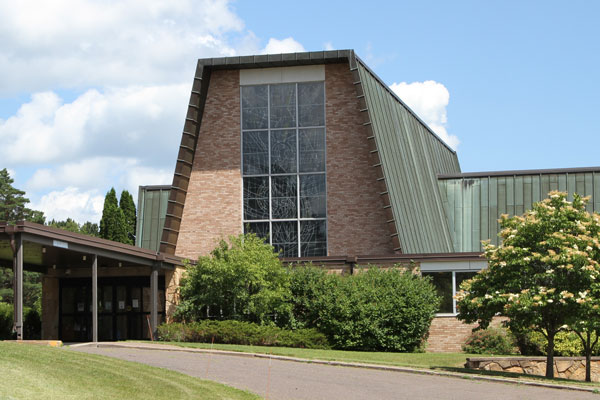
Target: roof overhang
x=47 y=247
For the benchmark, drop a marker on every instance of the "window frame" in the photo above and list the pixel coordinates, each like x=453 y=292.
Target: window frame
x=297 y=128
x=454 y=312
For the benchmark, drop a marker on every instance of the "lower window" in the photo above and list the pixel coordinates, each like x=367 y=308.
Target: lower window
x=447 y=283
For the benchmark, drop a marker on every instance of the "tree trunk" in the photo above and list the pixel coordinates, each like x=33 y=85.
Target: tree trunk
x=550 y=355
x=588 y=356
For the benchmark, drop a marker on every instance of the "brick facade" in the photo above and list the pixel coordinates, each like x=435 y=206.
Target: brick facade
x=213 y=205
x=356 y=219
x=448 y=334
x=213 y=208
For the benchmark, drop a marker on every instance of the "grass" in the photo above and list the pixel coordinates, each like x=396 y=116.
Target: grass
x=451 y=362
x=417 y=360
x=35 y=372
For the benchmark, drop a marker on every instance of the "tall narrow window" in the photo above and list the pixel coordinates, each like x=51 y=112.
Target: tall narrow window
x=283 y=164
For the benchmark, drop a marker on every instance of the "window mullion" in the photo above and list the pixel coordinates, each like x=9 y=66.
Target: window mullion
x=269 y=160
x=298 y=176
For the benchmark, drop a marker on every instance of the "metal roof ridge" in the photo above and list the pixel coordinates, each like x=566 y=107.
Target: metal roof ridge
x=546 y=171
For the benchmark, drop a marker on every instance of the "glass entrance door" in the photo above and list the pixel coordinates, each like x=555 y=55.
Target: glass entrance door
x=123 y=308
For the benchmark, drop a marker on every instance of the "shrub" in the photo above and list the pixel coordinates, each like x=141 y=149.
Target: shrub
x=243 y=280
x=245 y=333
x=31 y=320
x=6 y=321
x=32 y=324
x=372 y=310
x=566 y=344
x=490 y=341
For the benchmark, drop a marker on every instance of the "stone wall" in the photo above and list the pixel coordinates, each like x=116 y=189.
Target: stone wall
x=564 y=367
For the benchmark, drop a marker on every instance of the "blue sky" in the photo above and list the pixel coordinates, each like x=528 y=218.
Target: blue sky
x=94 y=93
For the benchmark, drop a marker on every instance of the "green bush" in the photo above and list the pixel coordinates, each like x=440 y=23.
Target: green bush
x=566 y=344
x=384 y=310
x=31 y=319
x=490 y=341
x=237 y=332
x=242 y=279
x=32 y=324
x=6 y=321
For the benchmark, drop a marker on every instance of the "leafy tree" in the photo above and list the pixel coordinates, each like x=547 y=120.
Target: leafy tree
x=32 y=287
x=541 y=272
x=68 y=225
x=243 y=279
x=71 y=225
x=112 y=224
x=90 y=229
x=127 y=205
x=13 y=202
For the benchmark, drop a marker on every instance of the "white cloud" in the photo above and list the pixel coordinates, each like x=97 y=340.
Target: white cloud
x=139 y=122
x=428 y=100
x=287 y=45
x=328 y=46
x=77 y=43
x=71 y=203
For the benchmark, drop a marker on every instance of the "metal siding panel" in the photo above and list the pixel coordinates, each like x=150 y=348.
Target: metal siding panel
x=476 y=237
x=536 y=188
x=493 y=209
x=527 y=193
x=485 y=209
x=596 y=195
x=510 y=195
x=571 y=185
x=545 y=185
x=519 y=202
x=562 y=182
x=589 y=190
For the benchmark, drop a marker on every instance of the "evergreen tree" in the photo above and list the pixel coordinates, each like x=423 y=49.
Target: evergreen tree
x=90 y=229
x=112 y=224
x=128 y=206
x=13 y=201
x=69 y=225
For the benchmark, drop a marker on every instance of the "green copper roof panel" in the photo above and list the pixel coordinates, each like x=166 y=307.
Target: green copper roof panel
x=474 y=203
x=152 y=209
x=411 y=156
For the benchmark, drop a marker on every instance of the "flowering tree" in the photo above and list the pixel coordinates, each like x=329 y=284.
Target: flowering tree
x=542 y=274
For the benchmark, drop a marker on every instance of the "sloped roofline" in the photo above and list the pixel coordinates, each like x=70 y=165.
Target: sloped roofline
x=193 y=121
x=305 y=58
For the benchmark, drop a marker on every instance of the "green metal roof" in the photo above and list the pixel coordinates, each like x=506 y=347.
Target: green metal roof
x=411 y=158
x=475 y=201
x=152 y=210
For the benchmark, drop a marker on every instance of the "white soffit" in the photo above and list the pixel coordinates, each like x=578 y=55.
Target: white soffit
x=427 y=266
x=301 y=73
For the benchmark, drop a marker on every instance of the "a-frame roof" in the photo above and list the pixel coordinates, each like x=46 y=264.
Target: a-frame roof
x=409 y=154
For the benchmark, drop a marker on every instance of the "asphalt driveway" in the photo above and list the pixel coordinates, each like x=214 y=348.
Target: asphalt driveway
x=277 y=379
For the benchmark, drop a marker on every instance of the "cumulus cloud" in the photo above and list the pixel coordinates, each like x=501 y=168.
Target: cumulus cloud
x=328 y=46
x=117 y=42
x=109 y=84
x=287 y=45
x=71 y=203
x=136 y=122
x=428 y=100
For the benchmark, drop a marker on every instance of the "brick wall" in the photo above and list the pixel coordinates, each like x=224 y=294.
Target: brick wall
x=448 y=334
x=213 y=209
x=356 y=220
x=213 y=205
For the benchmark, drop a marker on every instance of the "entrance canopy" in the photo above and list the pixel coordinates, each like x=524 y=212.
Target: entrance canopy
x=34 y=247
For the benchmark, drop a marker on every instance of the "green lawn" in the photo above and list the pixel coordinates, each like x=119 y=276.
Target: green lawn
x=37 y=372
x=419 y=360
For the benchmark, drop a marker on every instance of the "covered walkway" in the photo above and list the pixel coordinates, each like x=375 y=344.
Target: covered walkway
x=75 y=260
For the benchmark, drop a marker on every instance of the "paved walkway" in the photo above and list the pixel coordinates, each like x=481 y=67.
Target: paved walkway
x=278 y=379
